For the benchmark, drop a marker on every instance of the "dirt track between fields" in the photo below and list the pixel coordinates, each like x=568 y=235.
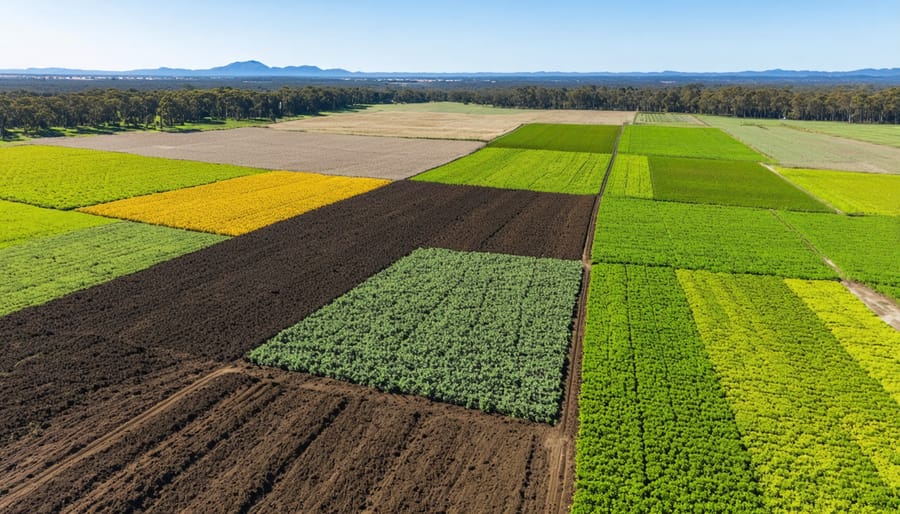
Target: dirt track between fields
x=358 y=156
x=133 y=427
x=444 y=125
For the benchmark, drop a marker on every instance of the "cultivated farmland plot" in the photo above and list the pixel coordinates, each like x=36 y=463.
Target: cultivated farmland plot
x=410 y=328
x=577 y=173
x=712 y=363
x=445 y=120
x=570 y=138
x=237 y=206
x=801 y=149
x=65 y=178
x=357 y=156
x=703 y=143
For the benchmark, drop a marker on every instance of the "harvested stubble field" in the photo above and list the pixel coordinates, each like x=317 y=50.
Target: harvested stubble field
x=801 y=149
x=358 y=156
x=481 y=124
x=134 y=341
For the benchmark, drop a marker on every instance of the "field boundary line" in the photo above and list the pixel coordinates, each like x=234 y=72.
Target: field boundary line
x=561 y=443
x=798 y=187
x=881 y=305
x=106 y=441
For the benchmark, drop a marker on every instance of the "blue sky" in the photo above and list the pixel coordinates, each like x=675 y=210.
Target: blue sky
x=463 y=35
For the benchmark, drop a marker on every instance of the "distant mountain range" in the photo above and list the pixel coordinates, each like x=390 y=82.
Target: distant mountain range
x=247 y=69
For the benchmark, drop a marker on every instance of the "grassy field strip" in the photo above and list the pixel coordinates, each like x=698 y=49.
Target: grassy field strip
x=486 y=331
x=560 y=137
x=240 y=205
x=43 y=269
x=630 y=176
x=666 y=118
x=855 y=193
x=718 y=238
x=881 y=134
x=822 y=433
x=740 y=183
x=701 y=143
x=656 y=433
x=866 y=249
x=66 y=178
x=872 y=342
x=21 y=222
x=801 y=149
x=536 y=170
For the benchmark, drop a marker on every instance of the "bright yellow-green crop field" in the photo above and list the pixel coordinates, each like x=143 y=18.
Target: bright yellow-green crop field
x=853 y=193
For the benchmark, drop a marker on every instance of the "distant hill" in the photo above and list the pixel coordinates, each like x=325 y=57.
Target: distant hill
x=258 y=69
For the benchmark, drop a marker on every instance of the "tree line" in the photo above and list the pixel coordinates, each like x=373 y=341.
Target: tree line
x=34 y=112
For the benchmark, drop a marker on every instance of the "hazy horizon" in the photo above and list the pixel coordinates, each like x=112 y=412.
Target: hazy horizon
x=465 y=37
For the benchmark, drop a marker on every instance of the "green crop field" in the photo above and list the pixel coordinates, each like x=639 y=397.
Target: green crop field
x=864 y=248
x=65 y=178
x=822 y=433
x=665 y=118
x=874 y=344
x=741 y=183
x=569 y=138
x=860 y=193
x=718 y=238
x=656 y=433
x=703 y=143
x=482 y=330
x=21 y=222
x=537 y=170
x=630 y=176
x=805 y=149
x=47 y=268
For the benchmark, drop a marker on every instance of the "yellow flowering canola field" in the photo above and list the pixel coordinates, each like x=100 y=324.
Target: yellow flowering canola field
x=237 y=206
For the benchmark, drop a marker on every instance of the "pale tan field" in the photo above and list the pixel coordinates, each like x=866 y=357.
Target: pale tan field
x=481 y=125
x=358 y=156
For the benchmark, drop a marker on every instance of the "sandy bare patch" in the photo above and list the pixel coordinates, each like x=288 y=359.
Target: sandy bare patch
x=359 y=156
x=445 y=125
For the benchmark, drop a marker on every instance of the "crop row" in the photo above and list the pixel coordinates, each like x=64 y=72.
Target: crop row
x=50 y=267
x=855 y=193
x=664 y=118
x=22 y=222
x=656 y=433
x=865 y=248
x=740 y=183
x=704 y=143
x=65 y=178
x=535 y=170
x=874 y=344
x=568 y=138
x=240 y=205
x=821 y=432
x=630 y=176
x=487 y=331
x=718 y=238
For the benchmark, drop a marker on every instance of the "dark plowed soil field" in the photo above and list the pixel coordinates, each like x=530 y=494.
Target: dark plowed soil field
x=101 y=406
x=258 y=440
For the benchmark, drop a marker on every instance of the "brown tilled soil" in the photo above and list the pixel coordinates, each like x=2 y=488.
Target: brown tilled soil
x=444 y=125
x=358 y=156
x=260 y=440
x=109 y=398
